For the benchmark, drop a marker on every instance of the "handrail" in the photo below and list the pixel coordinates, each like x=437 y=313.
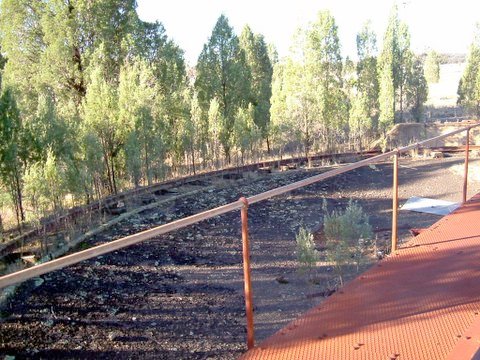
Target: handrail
x=74 y=258
x=346 y=168
x=242 y=204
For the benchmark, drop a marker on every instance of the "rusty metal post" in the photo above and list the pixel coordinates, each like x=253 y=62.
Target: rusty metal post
x=395 y=203
x=465 y=174
x=246 y=274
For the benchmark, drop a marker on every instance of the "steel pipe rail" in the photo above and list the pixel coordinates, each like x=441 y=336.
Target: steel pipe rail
x=74 y=258
x=241 y=204
x=311 y=180
x=62 y=262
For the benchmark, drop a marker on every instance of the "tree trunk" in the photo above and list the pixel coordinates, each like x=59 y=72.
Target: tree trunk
x=307 y=155
x=192 y=153
x=112 y=163
x=147 y=167
x=401 y=104
x=19 y=196
x=228 y=157
x=268 y=145
x=109 y=174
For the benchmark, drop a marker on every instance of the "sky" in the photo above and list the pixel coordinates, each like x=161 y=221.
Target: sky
x=444 y=26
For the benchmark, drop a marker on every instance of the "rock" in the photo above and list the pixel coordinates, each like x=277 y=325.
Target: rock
x=233 y=176
x=147 y=200
x=38 y=281
x=48 y=323
x=112 y=335
x=161 y=192
x=282 y=280
x=116 y=208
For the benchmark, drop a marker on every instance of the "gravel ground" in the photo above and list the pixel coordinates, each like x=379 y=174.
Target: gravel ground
x=179 y=296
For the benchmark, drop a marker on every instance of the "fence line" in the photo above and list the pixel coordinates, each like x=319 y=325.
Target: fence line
x=242 y=204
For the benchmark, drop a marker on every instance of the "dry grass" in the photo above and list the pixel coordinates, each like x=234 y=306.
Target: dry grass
x=444 y=93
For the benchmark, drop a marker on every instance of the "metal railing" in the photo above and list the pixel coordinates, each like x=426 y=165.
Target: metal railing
x=241 y=204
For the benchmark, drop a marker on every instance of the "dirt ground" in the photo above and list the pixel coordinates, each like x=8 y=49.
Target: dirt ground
x=179 y=296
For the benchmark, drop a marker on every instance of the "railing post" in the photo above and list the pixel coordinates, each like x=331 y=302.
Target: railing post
x=246 y=274
x=465 y=174
x=395 y=203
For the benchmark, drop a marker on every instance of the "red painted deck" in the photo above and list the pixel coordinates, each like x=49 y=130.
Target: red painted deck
x=423 y=302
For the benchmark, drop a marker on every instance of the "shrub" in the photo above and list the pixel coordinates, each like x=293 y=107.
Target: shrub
x=348 y=236
x=307 y=255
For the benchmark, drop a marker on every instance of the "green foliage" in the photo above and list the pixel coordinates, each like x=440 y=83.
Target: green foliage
x=386 y=99
x=360 y=123
x=13 y=151
x=261 y=70
x=101 y=116
x=417 y=89
x=222 y=74
x=312 y=86
x=387 y=71
x=469 y=86
x=198 y=130
x=246 y=132
x=394 y=69
x=348 y=235
x=365 y=104
x=137 y=97
x=216 y=128
x=307 y=255
x=99 y=100
x=279 y=128
x=45 y=185
x=432 y=67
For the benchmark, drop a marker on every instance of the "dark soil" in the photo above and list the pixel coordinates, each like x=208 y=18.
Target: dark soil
x=179 y=296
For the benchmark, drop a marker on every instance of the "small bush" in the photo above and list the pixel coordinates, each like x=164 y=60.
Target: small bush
x=307 y=255
x=348 y=237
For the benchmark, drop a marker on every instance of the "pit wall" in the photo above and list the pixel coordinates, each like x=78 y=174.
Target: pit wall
x=409 y=133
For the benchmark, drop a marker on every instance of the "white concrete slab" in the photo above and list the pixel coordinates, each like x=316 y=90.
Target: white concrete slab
x=429 y=206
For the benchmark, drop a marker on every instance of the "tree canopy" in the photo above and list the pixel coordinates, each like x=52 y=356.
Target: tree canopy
x=94 y=100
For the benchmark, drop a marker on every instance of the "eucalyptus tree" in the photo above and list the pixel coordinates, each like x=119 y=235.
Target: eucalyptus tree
x=394 y=63
x=136 y=96
x=280 y=130
x=246 y=133
x=365 y=107
x=13 y=151
x=432 y=67
x=469 y=85
x=24 y=46
x=222 y=74
x=101 y=116
x=387 y=70
x=417 y=89
x=313 y=85
x=261 y=69
x=404 y=65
